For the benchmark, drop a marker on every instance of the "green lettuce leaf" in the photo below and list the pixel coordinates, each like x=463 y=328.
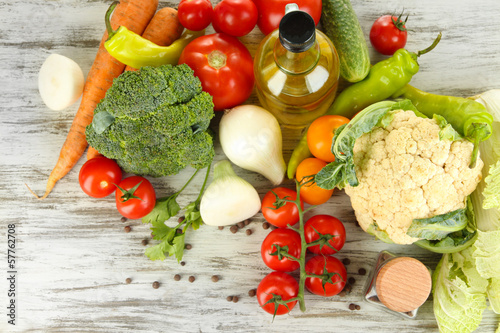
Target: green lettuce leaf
x=458 y=305
x=487 y=253
x=491 y=192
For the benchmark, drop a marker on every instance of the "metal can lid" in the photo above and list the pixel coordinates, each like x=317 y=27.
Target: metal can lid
x=403 y=284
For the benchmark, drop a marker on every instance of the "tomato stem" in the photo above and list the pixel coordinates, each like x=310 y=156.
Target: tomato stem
x=216 y=59
x=302 y=259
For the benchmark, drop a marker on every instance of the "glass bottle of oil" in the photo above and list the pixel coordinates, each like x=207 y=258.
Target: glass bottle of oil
x=296 y=70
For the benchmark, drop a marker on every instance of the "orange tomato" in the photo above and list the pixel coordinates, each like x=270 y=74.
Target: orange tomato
x=320 y=136
x=310 y=192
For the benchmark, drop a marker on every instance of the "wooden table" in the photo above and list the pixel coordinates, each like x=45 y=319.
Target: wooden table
x=72 y=254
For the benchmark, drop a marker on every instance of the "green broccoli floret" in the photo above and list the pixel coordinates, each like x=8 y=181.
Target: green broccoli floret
x=154 y=121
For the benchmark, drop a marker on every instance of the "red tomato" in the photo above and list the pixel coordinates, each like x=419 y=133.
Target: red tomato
x=135 y=203
x=320 y=136
x=336 y=275
x=195 y=15
x=235 y=17
x=277 y=285
x=388 y=34
x=281 y=237
x=272 y=11
x=98 y=177
x=310 y=192
x=224 y=66
x=284 y=213
x=325 y=225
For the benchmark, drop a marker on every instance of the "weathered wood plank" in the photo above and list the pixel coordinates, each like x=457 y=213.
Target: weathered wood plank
x=73 y=255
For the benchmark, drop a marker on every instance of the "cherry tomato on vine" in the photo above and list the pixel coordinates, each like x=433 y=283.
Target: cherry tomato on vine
x=330 y=227
x=280 y=238
x=224 y=66
x=235 y=17
x=320 y=136
x=278 y=212
x=135 y=197
x=277 y=285
x=195 y=15
x=336 y=275
x=388 y=34
x=98 y=177
x=310 y=192
x=272 y=11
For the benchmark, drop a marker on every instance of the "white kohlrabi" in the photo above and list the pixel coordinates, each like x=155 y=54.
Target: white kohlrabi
x=250 y=137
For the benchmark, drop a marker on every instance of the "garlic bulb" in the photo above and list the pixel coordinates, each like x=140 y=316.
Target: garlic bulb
x=251 y=138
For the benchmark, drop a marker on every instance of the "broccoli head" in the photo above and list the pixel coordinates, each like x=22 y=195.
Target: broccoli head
x=154 y=121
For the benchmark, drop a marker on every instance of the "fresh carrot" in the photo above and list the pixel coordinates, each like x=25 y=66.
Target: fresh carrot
x=135 y=15
x=163 y=29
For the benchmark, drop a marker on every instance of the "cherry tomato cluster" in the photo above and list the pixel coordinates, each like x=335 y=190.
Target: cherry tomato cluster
x=233 y=17
x=284 y=251
x=135 y=196
x=319 y=141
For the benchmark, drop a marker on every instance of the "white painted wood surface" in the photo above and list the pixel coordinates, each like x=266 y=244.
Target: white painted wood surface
x=73 y=255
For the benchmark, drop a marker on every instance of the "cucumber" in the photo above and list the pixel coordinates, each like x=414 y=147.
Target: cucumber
x=341 y=25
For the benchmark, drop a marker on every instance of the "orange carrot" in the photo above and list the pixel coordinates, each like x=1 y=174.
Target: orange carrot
x=92 y=152
x=163 y=29
x=133 y=14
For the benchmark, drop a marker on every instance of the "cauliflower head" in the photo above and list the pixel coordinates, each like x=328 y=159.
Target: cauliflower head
x=406 y=171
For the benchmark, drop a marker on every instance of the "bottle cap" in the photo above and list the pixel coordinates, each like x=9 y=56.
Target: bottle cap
x=297 y=30
x=403 y=284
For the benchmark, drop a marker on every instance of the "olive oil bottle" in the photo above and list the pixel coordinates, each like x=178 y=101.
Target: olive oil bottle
x=296 y=70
